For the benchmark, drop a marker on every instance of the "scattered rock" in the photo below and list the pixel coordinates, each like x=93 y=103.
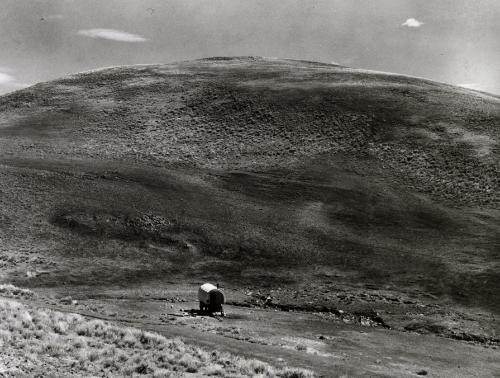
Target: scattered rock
x=66 y=300
x=31 y=274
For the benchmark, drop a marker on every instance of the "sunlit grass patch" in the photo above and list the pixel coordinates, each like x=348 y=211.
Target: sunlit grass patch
x=9 y=290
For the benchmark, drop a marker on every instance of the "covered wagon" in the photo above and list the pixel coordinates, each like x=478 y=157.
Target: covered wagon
x=211 y=298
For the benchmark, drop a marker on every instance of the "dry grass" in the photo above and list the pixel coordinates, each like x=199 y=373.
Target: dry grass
x=9 y=290
x=36 y=341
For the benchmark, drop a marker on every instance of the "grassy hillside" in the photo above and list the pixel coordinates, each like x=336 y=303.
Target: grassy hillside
x=259 y=114
x=257 y=173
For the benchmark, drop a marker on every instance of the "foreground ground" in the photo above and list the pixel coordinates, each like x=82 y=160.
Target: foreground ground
x=328 y=344
x=364 y=201
x=46 y=343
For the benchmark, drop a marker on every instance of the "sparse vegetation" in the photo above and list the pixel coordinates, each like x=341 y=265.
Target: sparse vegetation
x=259 y=114
x=37 y=341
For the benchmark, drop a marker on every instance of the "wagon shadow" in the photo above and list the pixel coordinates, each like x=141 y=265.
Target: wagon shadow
x=203 y=313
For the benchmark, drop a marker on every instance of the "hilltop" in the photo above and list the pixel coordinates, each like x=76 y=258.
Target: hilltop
x=260 y=114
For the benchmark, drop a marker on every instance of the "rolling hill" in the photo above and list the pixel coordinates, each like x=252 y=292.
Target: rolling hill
x=316 y=179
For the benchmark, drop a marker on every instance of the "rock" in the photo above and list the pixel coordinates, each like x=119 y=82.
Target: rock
x=422 y=372
x=66 y=300
x=30 y=274
x=365 y=322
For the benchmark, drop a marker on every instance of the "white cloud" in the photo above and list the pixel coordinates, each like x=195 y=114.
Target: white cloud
x=6 y=78
x=412 y=23
x=474 y=86
x=111 y=34
x=18 y=85
x=8 y=82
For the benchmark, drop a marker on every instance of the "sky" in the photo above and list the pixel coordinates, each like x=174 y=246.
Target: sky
x=452 y=41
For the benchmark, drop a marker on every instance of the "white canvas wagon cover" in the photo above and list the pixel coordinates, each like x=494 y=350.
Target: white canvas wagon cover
x=209 y=294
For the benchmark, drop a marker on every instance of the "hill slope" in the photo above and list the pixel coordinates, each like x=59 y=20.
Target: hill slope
x=254 y=113
x=258 y=173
